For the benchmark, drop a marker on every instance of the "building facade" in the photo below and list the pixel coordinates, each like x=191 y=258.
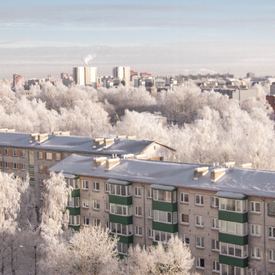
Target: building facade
x=226 y=215
x=123 y=74
x=85 y=76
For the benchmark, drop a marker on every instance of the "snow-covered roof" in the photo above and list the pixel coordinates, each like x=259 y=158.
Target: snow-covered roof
x=230 y=195
x=120 y=182
x=74 y=144
x=236 y=180
x=162 y=187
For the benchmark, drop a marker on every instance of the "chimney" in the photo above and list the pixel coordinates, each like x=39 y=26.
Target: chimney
x=131 y=137
x=144 y=156
x=42 y=137
x=60 y=133
x=217 y=173
x=246 y=165
x=110 y=163
x=200 y=171
x=4 y=130
x=121 y=137
x=97 y=142
x=34 y=137
x=11 y=130
x=98 y=161
x=108 y=142
x=229 y=164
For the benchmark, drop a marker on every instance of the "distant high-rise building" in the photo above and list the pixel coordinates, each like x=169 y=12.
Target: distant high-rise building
x=85 y=76
x=64 y=75
x=250 y=75
x=17 y=78
x=123 y=74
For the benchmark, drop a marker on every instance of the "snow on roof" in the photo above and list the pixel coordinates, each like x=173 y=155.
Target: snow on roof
x=230 y=195
x=237 y=180
x=68 y=176
x=74 y=144
x=162 y=187
x=120 y=182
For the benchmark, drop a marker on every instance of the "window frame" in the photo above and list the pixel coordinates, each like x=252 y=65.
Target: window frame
x=253 y=207
x=216 y=266
x=138 y=211
x=199 y=242
x=137 y=192
x=86 y=221
x=85 y=203
x=271 y=232
x=138 y=231
x=257 y=228
x=13 y=152
x=200 y=200
x=85 y=185
x=199 y=221
x=96 y=205
x=96 y=186
x=150 y=193
x=254 y=253
x=181 y=219
x=96 y=223
x=200 y=263
x=183 y=196
x=49 y=156
x=215 y=245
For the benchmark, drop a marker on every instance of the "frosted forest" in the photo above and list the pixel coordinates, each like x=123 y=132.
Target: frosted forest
x=205 y=127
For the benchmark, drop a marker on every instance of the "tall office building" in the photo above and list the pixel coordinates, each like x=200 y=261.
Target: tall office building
x=85 y=76
x=123 y=73
x=17 y=78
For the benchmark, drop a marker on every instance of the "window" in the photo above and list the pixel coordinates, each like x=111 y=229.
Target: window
x=160 y=236
x=106 y=187
x=95 y=186
x=138 y=211
x=107 y=206
x=165 y=196
x=137 y=191
x=216 y=266
x=233 y=228
x=164 y=217
x=96 y=223
x=40 y=169
x=74 y=183
x=74 y=220
x=138 y=231
x=185 y=219
x=150 y=213
x=121 y=210
x=199 y=221
x=85 y=203
x=76 y=202
x=14 y=166
x=41 y=183
x=70 y=202
x=47 y=169
x=96 y=205
x=184 y=197
x=85 y=184
x=107 y=224
x=121 y=229
x=22 y=166
x=238 y=251
x=232 y=270
x=14 y=153
x=6 y=165
x=199 y=263
x=199 y=200
x=121 y=248
x=215 y=224
x=199 y=242
x=215 y=245
x=150 y=233
x=22 y=153
x=149 y=193
x=85 y=221
x=214 y=202
x=271 y=232
x=57 y=156
x=120 y=190
x=255 y=230
x=41 y=196
x=6 y=152
x=255 y=253
x=39 y=155
x=49 y=156
x=271 y=209
x=233 y=205
x=0 y=163
x=255 y=207
x=271 y=255
x=185 y=239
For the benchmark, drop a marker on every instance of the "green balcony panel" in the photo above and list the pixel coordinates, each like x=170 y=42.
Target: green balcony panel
x=120 y=219
x=227 y=238
x=233 y=216
x=164 y=206
x=125 y=239
x=171 y=228
x=233 y=261
x=76 y=228
x=74 y=211
x=76 y=193
x=120 y=200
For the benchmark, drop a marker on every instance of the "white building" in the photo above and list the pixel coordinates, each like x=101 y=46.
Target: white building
x=123 y=73
x=85 y=76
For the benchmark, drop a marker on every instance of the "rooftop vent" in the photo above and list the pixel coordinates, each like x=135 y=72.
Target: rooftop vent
x=60 y=133
x=229 y=164
x=217 y=173
x=42 y=137
x=98 y=161
x=110 y=163
x=108 y=142
x=34 y=137
x=97 y=142
x=201 y=171
x=246 y=165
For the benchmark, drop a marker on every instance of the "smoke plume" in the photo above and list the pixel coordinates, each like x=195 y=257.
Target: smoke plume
x=88 y=58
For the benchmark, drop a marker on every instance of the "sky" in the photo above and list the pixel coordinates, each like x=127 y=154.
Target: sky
x=38 y=38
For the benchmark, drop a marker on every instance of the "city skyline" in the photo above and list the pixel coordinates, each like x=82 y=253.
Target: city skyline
x=155 y=36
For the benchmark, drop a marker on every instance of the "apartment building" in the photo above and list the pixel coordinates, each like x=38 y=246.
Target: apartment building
x=226 y=215
x=33 y=154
